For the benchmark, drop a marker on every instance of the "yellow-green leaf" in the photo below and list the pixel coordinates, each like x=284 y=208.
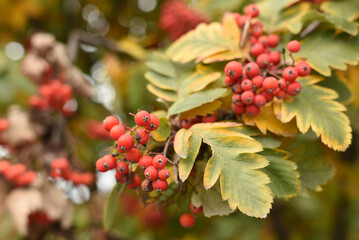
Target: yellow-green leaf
x=349 y=9
x=164 y=94
x=111 y=206
x=202 y=110
x=186 y=164
x=181 y=142
x=163 y=131
x=315 y=108
x=334 y=51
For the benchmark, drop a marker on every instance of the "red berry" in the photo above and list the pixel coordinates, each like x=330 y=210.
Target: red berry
x=210 y=118
x=163 y=174
x=14 y=171
x=280 y=94
x=241 y=20
x=260 y=100
x=142 y=118
x=109 y=122
x=125 y=143
x=257 y=81
x=133 y=155
x=263 y=40
x=257 y=49
x=233 y=69
x=253 y=40
x=136 y=182
x=268 y=96
x=238 y=108
x=60 y=163
x=4 y=165
x=252 y=110
x=122 y=168
x=251 y=10
x=303 y=69
x=257 y=30
x=25 y=178
x=229 y=81
x=247 y=97
x=270 y=84
x=151 y=173
x=159 y=161
x=120 y=178
x=273 y=40
x=236 y=88
x=160 y=185
x=154 y=123
x=187 y=123
x=187 y=220
x=109 y=162
x=252 y=69
x=117 y=131
x=293 y=46
x=142 y=136
x=246 y=85
x=282 y=84
x=294 y=88
x=236 y=98
x=275 y=57
x=263 y=60
x=146 y=185
x=196 y=210
x=290 y=74
x=145 y=162
x=4 y=124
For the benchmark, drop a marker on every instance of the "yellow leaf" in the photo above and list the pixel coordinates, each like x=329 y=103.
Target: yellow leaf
x=202 y=110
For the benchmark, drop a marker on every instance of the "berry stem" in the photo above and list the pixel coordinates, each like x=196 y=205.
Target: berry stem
x=245 y=31
x=283 y=53
x=291 y=56
x=167 y=145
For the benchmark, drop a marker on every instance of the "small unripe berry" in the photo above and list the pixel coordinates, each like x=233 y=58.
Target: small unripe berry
x=246 y=85
x=247 y=97
x=238 y=108
x=125 y=143
x=110 y=122
x=122 y=168
x=117 y=131
x=252 y=69
x=196 y=210
x=273 y=40
x=133 y=155
x=293 y=46
x=270 y=84
x=142 y=136
x=145 y=162
x=303 y=69
x=159 y=161
x=233 y=70
x=290 y=74
x=146 y=185
x=142 y=118
x=160 y=185
x=187 y=220
x=151 y=173
x=260 y=100
x=163 y=174
x=252 y=110
x=154 y=123
x=294 y=88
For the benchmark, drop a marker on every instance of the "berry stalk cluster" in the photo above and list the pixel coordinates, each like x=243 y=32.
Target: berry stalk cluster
x=256 y=81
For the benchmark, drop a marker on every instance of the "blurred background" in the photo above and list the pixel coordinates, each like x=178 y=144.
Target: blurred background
x=108 y=42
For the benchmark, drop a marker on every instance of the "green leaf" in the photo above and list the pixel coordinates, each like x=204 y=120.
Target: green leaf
x=210 y=200
x=186 y=164
x=166 y=95
x=315 y=108
x=163 y=131
x=267 y=141
x=313 y=169
x=181 y=142
x=338 y=22
x=207 y=40
x=336 y=50
x=234 y=161
x=282 y=173
x=111 y=206
x=349 y=9
x=196 y=99
x=335 y=83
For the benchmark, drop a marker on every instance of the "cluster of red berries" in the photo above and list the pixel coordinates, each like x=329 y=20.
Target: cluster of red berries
x=17 y=174
x=128 y=153
x=4 y=124
x=258 y=81
x=55 y=95
x=187 y=123
x=95 y=130
x=187 y=220
x=60 y=168
x=176 y=18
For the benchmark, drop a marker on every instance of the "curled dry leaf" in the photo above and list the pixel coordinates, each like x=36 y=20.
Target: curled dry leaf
x=34 y=67
x=20 y=130
x=41 y=43
x=20 y=203
x=59 y=56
